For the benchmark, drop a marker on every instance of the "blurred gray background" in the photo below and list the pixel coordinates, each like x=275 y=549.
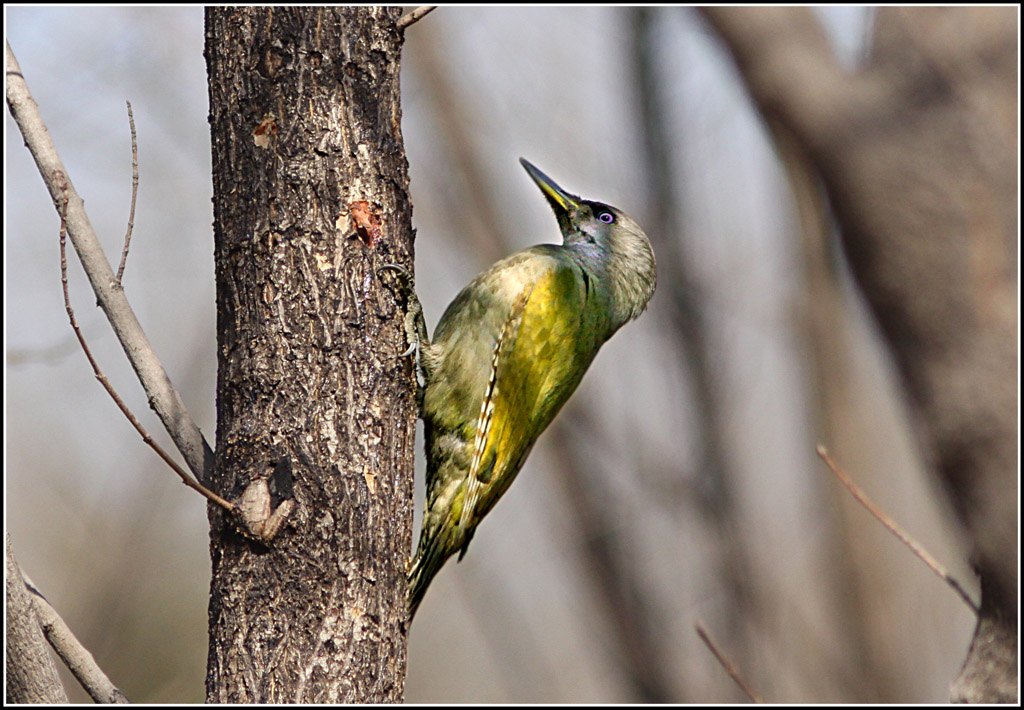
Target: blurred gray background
x=679 y=486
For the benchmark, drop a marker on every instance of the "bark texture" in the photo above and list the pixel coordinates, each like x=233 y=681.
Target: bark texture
x=31 y=674
x=310 y=200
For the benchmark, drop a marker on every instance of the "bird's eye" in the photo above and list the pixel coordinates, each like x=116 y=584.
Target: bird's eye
x=606 y=217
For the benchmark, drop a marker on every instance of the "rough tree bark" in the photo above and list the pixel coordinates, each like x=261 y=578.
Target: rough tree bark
x=310 y=200
x=918 y=154
x=31 y=674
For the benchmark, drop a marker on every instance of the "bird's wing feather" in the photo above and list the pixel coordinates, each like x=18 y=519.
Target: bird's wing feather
x=534 y=368
x=503 y=347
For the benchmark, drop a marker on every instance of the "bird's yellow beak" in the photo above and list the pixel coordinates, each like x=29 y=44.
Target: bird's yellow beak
x=558 y=197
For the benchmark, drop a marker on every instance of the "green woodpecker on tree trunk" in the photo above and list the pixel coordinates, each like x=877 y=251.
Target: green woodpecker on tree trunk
x=507 y=354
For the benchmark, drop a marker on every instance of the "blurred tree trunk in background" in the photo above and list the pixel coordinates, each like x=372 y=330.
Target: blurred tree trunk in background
x=714 y=487
x=310 y=200
x=918 y=155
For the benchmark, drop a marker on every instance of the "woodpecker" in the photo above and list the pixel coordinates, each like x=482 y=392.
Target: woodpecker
x=507 y=354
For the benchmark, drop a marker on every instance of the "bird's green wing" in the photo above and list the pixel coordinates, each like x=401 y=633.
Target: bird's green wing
x=538 y=359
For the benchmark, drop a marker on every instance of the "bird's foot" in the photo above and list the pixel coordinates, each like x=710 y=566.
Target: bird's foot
x=414 y=324
x=415 y=328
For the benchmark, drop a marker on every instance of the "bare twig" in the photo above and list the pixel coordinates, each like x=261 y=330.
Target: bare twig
x=186 y=479
x=75 y=656
x=163 y=397
x=414 y=16
x=135 y=192
x=726 y=663
x=895 y=529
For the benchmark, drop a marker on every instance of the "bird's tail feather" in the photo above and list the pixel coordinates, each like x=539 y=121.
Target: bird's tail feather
x=430 y=556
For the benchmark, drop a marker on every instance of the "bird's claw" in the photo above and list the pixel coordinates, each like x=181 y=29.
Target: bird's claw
x=406 y=277
x=415 y=328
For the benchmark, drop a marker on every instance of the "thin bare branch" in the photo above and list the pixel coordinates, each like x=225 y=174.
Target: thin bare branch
x=75 y=656
x=726 y=663
x=163 y=397
x=185 y=478
x=895 y=529
x=135 y=192
x=414 y=16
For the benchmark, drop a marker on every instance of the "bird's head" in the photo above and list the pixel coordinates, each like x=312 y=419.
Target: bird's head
x=607 y=239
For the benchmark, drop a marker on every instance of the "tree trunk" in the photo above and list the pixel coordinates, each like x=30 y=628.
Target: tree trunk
x=310 y=200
